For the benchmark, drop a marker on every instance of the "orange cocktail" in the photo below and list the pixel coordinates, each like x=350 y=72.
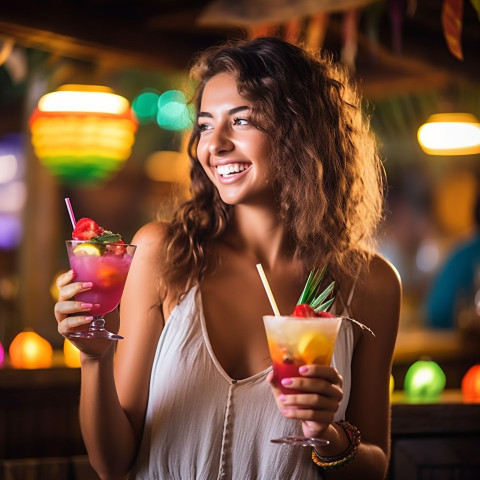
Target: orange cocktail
x=297 y=341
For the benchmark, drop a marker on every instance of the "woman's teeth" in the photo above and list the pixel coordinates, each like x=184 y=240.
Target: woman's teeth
x=225 y=170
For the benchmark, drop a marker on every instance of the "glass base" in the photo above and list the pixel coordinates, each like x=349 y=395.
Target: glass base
x=96 y=330
x=105 y=334
x=302 y=441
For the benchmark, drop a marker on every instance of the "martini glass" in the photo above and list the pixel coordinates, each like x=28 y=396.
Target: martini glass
x=106 y=266
x=293 y=342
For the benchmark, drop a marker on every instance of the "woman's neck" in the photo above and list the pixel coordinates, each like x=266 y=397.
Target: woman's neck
x=259 y=233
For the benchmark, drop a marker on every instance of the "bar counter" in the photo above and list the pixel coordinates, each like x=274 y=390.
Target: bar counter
x=40 y=435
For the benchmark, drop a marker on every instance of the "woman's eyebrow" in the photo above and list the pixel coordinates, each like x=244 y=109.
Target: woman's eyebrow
x=232 y=111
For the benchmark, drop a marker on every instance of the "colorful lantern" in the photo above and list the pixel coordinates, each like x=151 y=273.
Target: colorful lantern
x=30 y=350
x=82 y=133
x=424 y=381
x=71 y=354
x=471 y=384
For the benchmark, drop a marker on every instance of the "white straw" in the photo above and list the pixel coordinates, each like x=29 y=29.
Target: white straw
x=70 y=212
x=268 y=289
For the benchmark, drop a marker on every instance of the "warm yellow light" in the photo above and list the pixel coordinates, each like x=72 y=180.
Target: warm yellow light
x=450 y=134
x=82 y=98
x=30 y=350
x=71 y=354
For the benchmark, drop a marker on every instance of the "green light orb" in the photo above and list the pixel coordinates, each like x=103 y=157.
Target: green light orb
x=425 y=381
x=145 y=106
x=173 y=111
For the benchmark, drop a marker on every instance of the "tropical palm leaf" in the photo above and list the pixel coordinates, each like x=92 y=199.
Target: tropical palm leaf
x=311 y=295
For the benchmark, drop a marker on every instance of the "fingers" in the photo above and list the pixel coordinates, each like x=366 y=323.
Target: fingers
x=69 y=324
x=320 y=397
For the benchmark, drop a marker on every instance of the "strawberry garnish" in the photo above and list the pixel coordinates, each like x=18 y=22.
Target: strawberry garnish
x=85 y=229
x=304 y=310
x=117 y=248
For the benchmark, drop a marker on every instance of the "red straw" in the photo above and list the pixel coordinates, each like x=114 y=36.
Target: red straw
x=70 y=212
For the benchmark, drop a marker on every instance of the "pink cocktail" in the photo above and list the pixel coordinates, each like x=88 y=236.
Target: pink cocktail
x=106 y=266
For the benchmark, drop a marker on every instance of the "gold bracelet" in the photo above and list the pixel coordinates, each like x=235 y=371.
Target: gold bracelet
x=331 y=463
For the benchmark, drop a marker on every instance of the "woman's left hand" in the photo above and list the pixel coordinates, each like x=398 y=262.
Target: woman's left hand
x=316 y=407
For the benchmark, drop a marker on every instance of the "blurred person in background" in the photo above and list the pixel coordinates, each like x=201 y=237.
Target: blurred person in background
x=455 y=286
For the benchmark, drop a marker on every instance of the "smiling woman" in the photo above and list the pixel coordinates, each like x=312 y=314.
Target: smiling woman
x=284 y=173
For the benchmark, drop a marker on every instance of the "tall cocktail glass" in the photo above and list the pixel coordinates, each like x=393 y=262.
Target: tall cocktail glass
x=106 y=266
x=297 y=341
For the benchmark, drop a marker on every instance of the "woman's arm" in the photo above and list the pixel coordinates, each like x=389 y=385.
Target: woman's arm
x=114 y=387
x=377 y=305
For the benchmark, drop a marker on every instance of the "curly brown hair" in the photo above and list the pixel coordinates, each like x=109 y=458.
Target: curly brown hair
x=329 y=180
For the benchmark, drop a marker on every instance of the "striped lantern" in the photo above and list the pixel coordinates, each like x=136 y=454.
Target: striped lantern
x=83 y=133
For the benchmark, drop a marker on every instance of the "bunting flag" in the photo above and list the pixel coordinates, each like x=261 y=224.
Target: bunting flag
x=292 y=31
x=316 y=31
x=452 y=11
x=396 y=9
x=266 y=30
x=349 y=34
x=476 y=6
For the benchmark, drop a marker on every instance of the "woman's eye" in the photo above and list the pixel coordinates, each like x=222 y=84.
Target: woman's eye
x=240 y=121
x=204 y=126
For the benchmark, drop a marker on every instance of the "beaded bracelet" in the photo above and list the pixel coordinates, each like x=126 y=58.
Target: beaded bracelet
x=331 y=463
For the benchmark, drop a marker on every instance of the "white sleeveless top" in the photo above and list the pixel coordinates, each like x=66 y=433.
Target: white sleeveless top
x=201 y=424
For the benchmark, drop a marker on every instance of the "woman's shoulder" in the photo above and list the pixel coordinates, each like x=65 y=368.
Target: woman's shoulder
x=382 y=275
x=150 y=239
x=378 y=294
x=152 y=231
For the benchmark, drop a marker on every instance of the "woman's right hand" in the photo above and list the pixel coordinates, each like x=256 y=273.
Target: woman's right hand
x=74 y=316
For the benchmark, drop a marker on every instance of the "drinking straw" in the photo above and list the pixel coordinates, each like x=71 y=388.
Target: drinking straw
x=70 y=212
x=275 y=309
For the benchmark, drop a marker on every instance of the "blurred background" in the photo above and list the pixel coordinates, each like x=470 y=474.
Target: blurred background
x=124 y=164
x=412 y=59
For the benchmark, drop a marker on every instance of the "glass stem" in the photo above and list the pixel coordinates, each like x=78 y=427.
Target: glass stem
x=98 y=323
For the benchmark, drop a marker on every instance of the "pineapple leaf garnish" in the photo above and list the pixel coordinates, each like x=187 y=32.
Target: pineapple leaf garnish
x=311 y=295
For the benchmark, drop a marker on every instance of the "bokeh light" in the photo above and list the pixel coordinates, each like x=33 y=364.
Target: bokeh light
x=71 y=354
x=145 y=106
x=424 y=381
x=173 y=111
x=13 y=191
x=30 y=350
x=471 y=384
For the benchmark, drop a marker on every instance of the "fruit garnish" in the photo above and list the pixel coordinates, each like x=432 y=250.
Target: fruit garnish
x=88 y=229
x=117 y=248
x=85 y=229
x=107 y=237
x=304 y=310
x=87 y=248
x=312 y=302
x=313 y=346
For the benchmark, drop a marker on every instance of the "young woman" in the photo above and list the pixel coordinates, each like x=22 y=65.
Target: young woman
x=284 y=172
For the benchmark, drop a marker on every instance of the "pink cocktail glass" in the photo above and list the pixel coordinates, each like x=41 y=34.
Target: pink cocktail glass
x=107 y=268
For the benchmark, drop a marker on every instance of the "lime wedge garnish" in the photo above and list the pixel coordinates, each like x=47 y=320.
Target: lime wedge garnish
x=87 y=249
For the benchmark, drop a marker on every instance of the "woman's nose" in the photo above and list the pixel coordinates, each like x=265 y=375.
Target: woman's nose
x=220 y=141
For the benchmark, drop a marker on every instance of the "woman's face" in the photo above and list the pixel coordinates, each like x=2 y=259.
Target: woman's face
x=233 y=152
